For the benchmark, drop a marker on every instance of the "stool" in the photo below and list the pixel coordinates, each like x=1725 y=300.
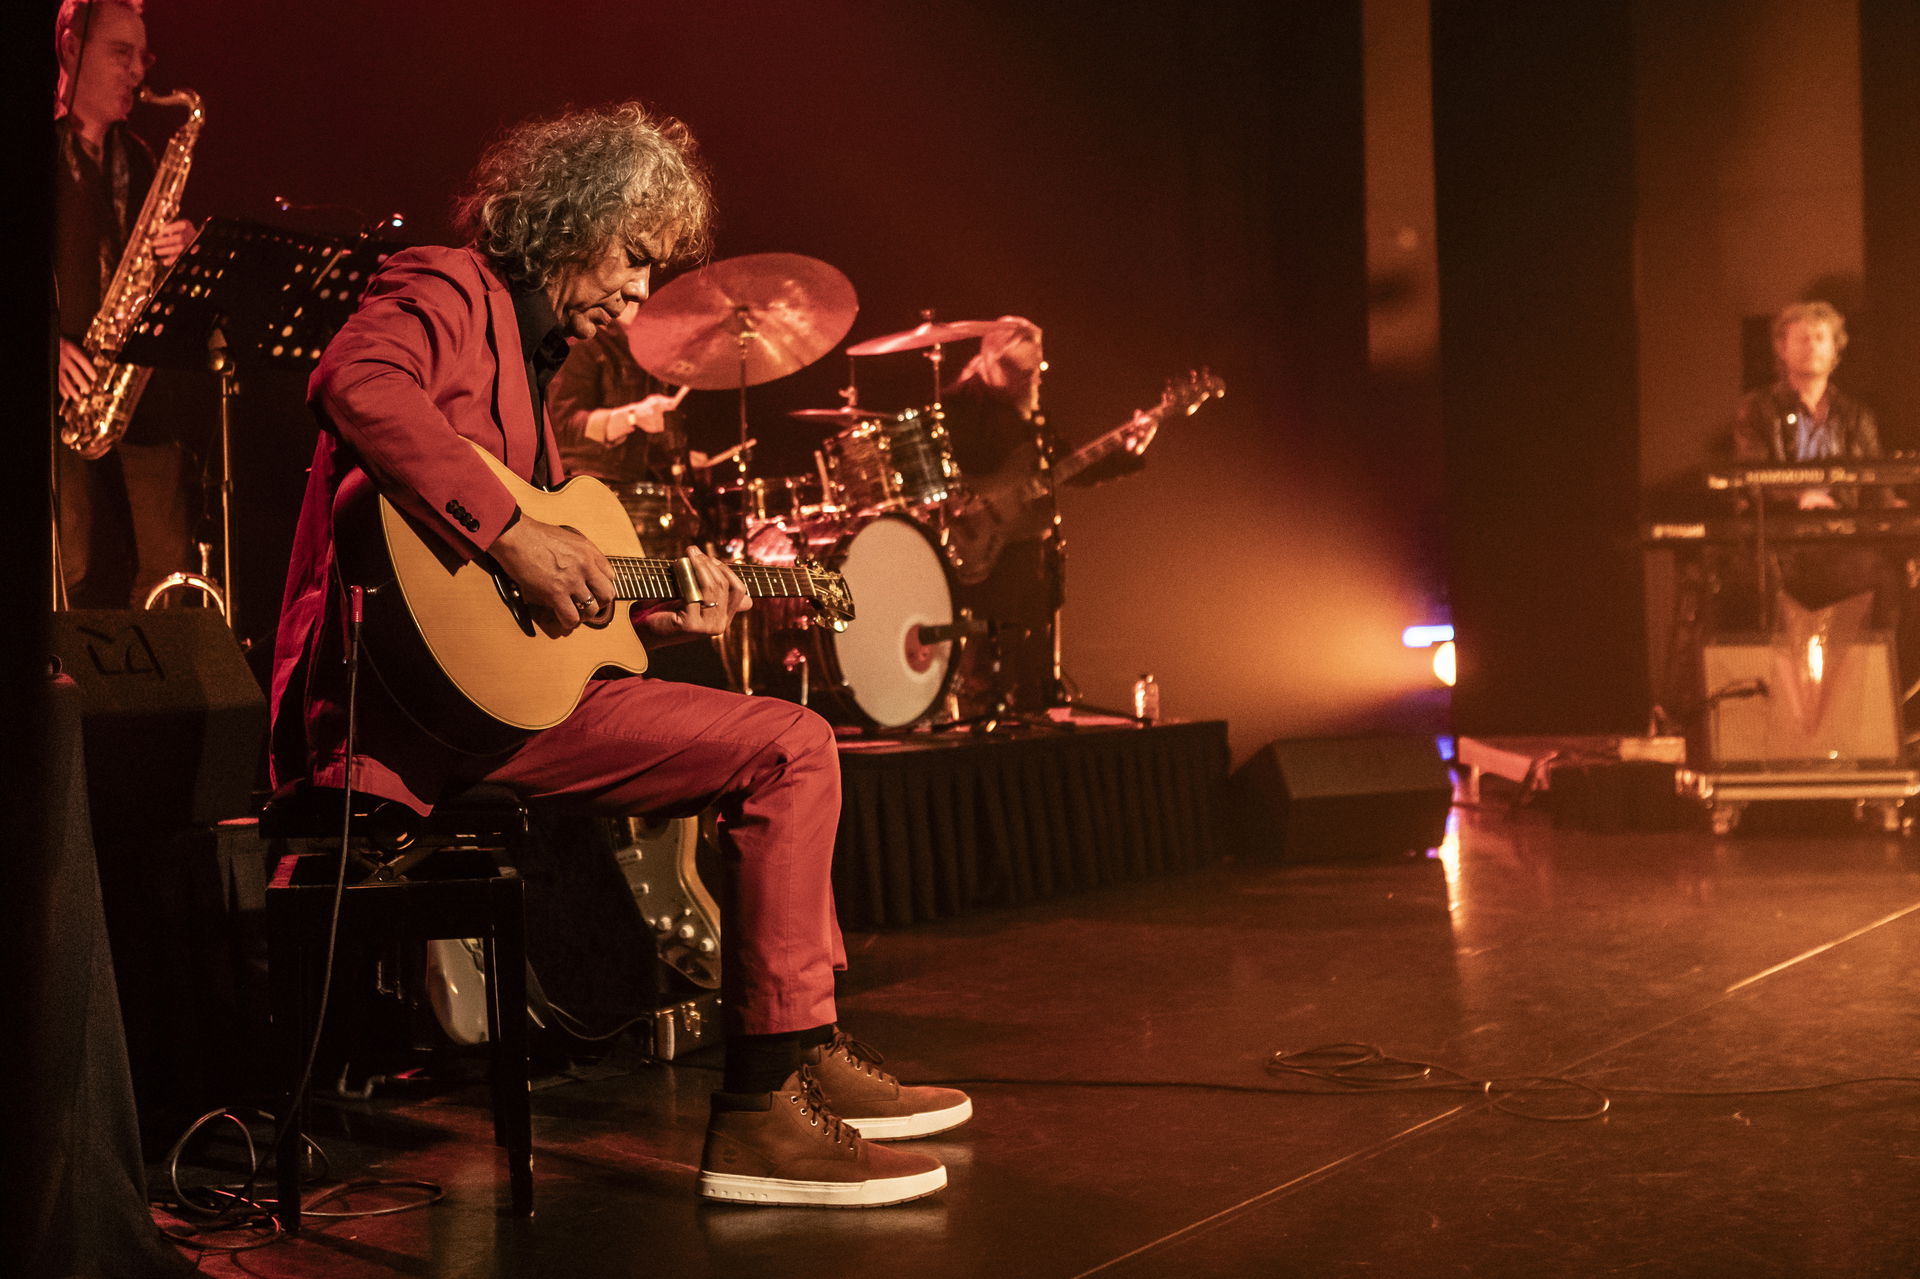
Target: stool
x=455 y=890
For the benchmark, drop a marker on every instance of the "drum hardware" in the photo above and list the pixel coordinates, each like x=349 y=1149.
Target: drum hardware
x=665 y=516
x=1000 y=713
x=795 y=660
x=203 y=583
x=893 y=463
x=887 y=669
x=740 y=322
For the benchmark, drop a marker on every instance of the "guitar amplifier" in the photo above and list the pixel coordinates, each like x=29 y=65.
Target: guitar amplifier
x=1765 y=711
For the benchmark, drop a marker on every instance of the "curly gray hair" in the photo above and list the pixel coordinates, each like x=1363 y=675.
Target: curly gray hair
x=549 y=193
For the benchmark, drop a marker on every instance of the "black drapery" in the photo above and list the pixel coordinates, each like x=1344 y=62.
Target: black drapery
x=936 y=828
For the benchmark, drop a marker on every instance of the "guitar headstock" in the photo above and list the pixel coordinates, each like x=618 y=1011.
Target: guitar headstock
x=1180 y=396
x=827 y=592
x=1187 y=395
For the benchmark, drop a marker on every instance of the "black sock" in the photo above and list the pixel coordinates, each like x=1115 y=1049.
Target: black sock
x=761 y=1063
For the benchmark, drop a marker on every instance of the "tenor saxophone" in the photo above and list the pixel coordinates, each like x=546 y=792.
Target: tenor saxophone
x=92 y=423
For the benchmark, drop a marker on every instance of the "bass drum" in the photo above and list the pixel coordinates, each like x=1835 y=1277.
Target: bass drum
x=883 y=671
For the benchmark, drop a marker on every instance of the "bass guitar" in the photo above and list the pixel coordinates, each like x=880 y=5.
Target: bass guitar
x=1004 y=507
x=455 y=644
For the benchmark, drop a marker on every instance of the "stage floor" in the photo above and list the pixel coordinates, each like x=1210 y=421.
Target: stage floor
x=1670 y=961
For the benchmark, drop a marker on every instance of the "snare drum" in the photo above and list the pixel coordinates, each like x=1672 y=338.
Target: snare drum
x=780 y=503
x=662 y=514
x=884 y=670
x=897 y=463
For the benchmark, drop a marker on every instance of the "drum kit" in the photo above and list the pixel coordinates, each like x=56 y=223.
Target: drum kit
x=874 y=508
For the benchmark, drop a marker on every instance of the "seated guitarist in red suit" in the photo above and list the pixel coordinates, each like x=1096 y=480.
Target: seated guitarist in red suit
x=452 y=348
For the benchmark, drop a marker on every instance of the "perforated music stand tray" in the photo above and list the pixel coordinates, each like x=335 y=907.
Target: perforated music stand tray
x=275 y=295
x=247 y=296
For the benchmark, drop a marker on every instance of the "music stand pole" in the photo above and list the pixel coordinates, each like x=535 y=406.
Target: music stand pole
x=53 y=517
x=220 y=360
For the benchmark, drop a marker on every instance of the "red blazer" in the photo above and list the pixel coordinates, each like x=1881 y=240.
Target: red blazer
x=432 y=355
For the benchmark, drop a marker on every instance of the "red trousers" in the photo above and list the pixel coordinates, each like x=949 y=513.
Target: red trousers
x=642 y=746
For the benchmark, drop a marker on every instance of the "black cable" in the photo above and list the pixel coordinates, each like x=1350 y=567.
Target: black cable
x=576 y=1026
x=355 y=607
x=435 y=1193
x=220 y=1205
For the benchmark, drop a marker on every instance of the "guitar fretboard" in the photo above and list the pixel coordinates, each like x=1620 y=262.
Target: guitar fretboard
x=652 y=579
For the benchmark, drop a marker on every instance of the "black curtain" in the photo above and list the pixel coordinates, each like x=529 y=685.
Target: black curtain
x=1533 y=157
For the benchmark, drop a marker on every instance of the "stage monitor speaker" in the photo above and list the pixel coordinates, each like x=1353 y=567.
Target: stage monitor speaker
x=1324 y=798
x=174 y=719
x=1764 y=709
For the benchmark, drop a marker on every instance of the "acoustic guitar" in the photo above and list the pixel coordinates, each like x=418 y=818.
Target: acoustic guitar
x=456 y=645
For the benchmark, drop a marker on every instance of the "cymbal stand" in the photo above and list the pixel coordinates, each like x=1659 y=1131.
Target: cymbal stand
x=1060 y=692
x=936 y=355
x=741 y=648
x=743 y=337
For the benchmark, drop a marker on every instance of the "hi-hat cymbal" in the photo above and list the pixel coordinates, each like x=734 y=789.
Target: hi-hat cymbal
x=792 y=310
x=843 y=416
x=923 y=335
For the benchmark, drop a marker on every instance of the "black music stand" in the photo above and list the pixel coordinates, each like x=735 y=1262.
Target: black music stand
x=245 y=295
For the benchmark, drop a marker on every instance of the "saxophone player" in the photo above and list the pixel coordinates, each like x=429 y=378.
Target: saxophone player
x=124 y=518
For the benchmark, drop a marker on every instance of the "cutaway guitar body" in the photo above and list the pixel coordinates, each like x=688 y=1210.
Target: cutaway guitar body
x=454 y=644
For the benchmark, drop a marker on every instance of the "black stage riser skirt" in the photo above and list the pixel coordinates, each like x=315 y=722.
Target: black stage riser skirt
x=931 y=830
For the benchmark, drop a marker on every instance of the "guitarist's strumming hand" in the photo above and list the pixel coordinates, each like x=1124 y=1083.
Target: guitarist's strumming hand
x=562 y=575
x=725 y=595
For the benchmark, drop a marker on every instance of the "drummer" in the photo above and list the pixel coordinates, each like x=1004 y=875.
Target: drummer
x=611 y=419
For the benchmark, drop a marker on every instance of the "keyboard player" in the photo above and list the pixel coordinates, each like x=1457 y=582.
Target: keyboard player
x=1803 y=418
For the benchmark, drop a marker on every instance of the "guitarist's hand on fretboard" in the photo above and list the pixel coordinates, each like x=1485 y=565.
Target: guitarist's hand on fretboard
x=557 y=571
x=721 y=589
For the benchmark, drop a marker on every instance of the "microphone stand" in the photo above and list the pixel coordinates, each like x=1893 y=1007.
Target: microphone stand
x=1060 y=692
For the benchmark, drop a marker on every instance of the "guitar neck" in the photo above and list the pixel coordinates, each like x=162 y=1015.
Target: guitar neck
x=1087 y=454
x=1035 y=487
x=651 y=580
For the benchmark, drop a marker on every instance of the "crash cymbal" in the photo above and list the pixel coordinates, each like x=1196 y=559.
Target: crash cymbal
x=844 y=417
x=794 y=310
x=923 y=335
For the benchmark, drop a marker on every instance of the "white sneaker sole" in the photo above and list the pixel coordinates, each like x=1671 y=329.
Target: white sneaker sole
x=901 y=1127
x=877 y=1193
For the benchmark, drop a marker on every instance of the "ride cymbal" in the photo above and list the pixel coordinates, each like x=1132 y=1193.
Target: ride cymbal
x=790 y=309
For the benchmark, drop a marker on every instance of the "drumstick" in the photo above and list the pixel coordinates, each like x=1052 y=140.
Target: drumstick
x=718 y=458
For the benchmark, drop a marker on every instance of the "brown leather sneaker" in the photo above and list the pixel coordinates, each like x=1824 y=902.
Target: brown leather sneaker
x=873 y=1102
x=788 y=1147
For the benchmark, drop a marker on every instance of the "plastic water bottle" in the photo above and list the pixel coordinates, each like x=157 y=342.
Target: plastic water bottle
x=1146 y=699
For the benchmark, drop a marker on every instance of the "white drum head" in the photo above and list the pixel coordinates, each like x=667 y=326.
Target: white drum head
x=899 y=584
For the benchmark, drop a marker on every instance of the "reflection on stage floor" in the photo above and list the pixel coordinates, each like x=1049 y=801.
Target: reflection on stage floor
x=1116 y=1042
